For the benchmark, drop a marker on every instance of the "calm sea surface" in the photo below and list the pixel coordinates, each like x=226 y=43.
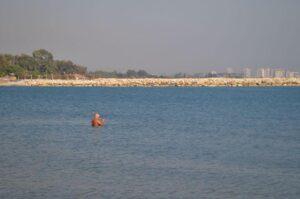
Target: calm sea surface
x=158 y=143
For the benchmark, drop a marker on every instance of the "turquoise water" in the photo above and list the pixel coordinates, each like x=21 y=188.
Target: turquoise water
x=158 y=143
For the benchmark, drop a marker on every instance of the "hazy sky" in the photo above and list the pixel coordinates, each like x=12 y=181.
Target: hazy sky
x=161 y=36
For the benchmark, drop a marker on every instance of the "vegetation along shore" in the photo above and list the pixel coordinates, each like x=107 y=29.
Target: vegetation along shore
x=41 y=69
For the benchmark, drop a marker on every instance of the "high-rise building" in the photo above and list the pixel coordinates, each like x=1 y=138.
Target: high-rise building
x=291 y=74
x=212 y=74
x=229 y=70
x=247 y=72
x=268 y=72
x=279 y=73
x=261 y=73
x=264 y=72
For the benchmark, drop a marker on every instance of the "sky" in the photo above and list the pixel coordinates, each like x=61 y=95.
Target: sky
x=160 y=36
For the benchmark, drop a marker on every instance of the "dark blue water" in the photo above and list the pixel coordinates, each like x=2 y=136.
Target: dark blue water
x=158 y=143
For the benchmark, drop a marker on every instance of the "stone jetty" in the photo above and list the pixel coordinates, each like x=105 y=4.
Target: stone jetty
x=160 y=82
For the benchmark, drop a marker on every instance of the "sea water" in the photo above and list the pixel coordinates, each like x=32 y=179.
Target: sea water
x=157 y=143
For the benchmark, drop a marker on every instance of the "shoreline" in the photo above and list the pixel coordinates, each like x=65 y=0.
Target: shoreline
x=157 y=82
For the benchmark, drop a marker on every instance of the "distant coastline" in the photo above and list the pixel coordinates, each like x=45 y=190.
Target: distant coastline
x=157 y=82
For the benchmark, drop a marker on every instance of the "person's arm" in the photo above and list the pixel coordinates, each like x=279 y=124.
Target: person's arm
x=100 y=122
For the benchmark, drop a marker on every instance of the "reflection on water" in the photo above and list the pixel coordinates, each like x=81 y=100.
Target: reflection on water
x=158 y=143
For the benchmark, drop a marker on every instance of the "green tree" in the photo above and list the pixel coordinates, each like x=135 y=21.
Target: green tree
x=143 y=73
x=10 y=59
x=17 y=70
x=180 y=75
x=5 y=61
x=35 y=74
x=27 y=62
x=45 y=61
x=40 y=63
x=68 y=67
x=42 y=55
x=131 y=73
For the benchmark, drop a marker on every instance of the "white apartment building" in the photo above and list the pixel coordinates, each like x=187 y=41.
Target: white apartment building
x=265 y=72
x=279 y=73
x=291 y=74
x=247 y=72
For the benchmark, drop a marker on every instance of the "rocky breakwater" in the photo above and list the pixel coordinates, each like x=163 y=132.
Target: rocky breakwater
x=161 y=82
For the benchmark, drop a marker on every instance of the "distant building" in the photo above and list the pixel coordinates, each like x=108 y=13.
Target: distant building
x=212 y=74
x=229 y=70
x=198 y=75
x=268 y=72
x=264 y=72
x=247 y=72
x=291 y=74
x=261 y=73
x=279 y=73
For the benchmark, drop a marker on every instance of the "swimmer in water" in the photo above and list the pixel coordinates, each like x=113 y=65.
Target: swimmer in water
x=97 y=121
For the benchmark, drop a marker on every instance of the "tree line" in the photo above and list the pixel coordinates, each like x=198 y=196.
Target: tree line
x=115 y=74
x=40 y=63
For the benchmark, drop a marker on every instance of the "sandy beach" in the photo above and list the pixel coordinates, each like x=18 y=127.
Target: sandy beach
x=159 y=82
